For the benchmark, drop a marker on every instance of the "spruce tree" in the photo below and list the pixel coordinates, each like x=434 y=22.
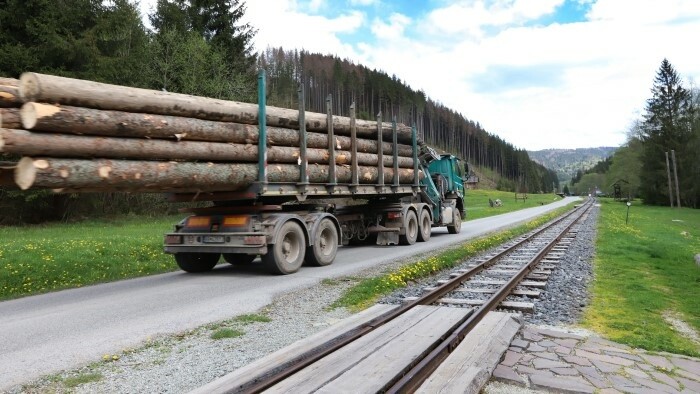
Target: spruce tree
x=666 y=127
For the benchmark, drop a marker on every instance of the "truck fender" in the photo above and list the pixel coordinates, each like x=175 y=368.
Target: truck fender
x=273 y=223
x=315 y=220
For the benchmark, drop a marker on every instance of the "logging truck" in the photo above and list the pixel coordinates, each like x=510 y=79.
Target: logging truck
x=288 y=223
x=287 y=185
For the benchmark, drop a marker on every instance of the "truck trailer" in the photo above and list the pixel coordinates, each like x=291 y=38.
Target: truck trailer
x=289 y=224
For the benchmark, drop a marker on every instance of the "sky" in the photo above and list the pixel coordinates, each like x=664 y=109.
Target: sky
x=540 y=74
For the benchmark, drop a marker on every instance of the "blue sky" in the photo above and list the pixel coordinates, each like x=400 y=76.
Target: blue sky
x=538 y=73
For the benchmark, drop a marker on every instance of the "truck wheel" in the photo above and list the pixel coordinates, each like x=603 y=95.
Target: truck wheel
x=411 y=224
x=286 y=255
x=456 y=225
x=196 y=262
x=425 y=226
x=324 y=244
x=239 y=258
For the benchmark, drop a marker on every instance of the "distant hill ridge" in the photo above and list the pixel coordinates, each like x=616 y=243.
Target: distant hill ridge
x=567 y=161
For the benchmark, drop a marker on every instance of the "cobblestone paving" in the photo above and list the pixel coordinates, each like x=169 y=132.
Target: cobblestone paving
x=560 y=361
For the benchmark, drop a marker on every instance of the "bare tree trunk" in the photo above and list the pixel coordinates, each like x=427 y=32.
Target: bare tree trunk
x=58 y=145
x=77 y=120
x=68 y=91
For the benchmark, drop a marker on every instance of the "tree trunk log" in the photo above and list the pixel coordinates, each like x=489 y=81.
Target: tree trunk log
x=77 y=120
x=22 y=142
x=81 y=93
x=10 y=119
x=149 y=176
x=9 y=96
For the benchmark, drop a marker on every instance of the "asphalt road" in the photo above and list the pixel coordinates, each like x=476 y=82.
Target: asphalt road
x=48 y=333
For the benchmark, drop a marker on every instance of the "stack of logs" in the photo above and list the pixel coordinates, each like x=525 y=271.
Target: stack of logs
x=83 y=136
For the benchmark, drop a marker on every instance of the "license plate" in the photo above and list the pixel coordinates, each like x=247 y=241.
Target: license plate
x=213 y=239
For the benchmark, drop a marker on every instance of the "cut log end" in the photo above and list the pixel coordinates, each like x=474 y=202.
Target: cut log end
x=25 y=173
x=31 y=112
x=28 y=87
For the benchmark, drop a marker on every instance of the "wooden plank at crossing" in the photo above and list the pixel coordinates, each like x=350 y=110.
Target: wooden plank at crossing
x=469 y=366
x=371 y=362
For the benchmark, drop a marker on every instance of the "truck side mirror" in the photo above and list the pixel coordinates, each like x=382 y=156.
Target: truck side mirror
x=466 y=169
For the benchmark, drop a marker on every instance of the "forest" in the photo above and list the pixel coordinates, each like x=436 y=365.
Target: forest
x=200 y=47
x=659 y=162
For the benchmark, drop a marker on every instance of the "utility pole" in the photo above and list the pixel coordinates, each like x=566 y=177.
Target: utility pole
x=675 y=175
x=668 y=173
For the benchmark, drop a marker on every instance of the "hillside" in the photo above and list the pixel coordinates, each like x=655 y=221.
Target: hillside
x=567 y=161
x=375 y=92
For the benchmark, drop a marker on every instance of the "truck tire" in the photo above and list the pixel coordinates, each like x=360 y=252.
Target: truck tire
x=425 y=225
x=286 y=255
x=456 y=225
x=324 y=244
x=239 y=258
x=196 y=262
x=411 y=225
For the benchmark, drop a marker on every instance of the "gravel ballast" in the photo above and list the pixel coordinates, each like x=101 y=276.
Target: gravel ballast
x=180 y=363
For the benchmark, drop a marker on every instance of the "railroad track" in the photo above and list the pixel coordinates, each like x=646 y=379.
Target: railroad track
x=507 y=279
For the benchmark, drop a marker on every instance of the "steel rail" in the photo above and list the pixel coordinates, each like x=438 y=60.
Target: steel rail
x=412 y=379
x=270 y=377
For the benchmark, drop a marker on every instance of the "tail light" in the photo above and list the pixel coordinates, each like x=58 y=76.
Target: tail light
x=198 y=221
x=393 y=215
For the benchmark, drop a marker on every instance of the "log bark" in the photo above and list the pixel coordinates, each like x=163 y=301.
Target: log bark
x=78 y=120
x=9 y=96
x=81 y=93
x=149 y=176
x=22 y=142
x=10 y=119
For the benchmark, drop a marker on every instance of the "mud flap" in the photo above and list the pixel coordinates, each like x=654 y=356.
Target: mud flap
x=388 y=238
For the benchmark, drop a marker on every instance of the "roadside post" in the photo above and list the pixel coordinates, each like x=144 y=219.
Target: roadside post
x=629 y=204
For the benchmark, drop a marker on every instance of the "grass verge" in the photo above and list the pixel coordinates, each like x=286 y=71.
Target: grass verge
x=368 y=291
x=75 y=381
x=645 y=272
x=223 y=333
x=477 y=202
x=39 y=259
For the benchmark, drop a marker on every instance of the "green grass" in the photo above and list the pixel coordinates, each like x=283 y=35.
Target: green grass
x=367 y=291
x=39 y=259
x=223 y=333
x=477 y=202
x=252 y=318
x=75 y=381
x=643 y=270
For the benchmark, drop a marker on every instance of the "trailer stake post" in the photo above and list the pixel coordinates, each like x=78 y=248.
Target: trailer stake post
x=333 y=180
x=262 y=125
x=414 y=143
x=303 y=160
x=353 y=143
x=380 y=153
x=395 y=150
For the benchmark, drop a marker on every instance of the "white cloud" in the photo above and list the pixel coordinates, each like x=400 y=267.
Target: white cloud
x=394 y=29
x=604 y=68
x=472 y=17
x=282 y=23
